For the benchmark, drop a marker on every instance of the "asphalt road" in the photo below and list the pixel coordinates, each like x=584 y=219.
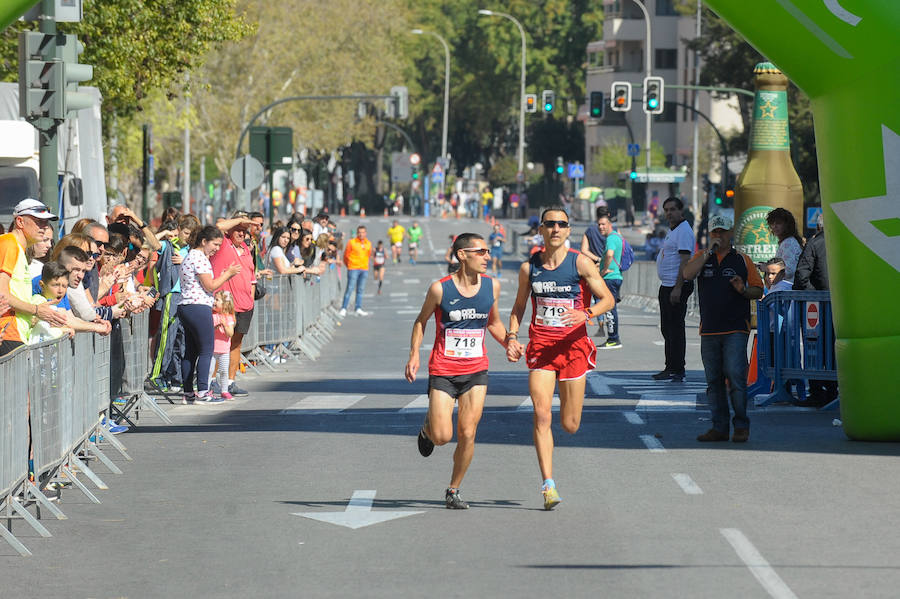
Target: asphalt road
x=313 y=487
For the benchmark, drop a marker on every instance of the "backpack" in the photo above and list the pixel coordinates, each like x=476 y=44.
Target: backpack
x=627 y=255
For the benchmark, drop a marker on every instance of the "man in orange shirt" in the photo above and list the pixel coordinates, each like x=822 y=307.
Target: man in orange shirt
x=356 y=258
x=31 y=224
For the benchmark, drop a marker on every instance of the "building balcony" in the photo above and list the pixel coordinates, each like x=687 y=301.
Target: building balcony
x=619 y=29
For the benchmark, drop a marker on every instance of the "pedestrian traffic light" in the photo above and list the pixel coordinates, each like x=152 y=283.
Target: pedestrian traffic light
x=560 y=168
x=596 y=106
x=632 y=175
x=41 y=76
x=653 y=95
x=548 y=99
x=414 y=161
x=530 y=103
x=620 y=96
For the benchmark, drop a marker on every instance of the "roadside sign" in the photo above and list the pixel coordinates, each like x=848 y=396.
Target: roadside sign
x=812 y=319
x=247 y=172
x=812 y=215
x=634 y=149
x=575 y=170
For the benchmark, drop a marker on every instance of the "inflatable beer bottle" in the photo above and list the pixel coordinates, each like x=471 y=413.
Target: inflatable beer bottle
x=769 y=179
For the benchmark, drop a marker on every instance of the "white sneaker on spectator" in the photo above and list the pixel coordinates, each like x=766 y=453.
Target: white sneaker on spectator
x=343 y=312
x=361 y=312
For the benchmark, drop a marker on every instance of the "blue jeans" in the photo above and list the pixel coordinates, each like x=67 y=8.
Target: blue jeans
x=198 y=351
x=612 y=317
x=356 y=278
x=725 y=356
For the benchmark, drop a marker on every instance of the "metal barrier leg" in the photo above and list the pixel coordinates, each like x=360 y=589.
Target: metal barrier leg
x=260 y=355
x=305 y=347
x=286 y=353
x=82 y=467
x=249 y=365
x=118 y=445
x=150 y=403
x=95 y=451
x=31 y=491
x=71 y=477
x=31 y=520
x=12 y=540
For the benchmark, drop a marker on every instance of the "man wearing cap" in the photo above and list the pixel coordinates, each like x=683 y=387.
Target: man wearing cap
x=31 y=224
x=728 y=281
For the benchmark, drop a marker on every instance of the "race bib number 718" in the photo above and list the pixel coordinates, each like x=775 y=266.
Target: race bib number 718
x=464 y=343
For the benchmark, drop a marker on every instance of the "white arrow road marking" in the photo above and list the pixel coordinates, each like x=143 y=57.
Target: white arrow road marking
x=858 y=215
x=842 y=13
x=357 y=514
x=757 y=564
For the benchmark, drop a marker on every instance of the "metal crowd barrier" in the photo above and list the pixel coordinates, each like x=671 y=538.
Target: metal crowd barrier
x=14 y=441
x=795 y=342
x=130 y=368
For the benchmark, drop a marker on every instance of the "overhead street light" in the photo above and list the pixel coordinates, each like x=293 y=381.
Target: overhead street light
x=521 y=153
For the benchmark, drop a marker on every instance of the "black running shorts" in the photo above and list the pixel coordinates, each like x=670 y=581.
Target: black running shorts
x=454 y=386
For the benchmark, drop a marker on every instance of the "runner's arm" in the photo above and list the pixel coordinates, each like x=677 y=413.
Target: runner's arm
x=586 y=249
x=605 y=301
x=495 y=325
x=432 y=300
x=518 y=309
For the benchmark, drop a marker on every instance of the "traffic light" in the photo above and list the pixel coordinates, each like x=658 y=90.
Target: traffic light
x=530 y=103
x=653 y=95
x=397 y=106
x=415 y=160
x=41 y=76
x=620 y=96
x=69 y=49
x=596 y=105
x=560 y=167
x=633 y=174
x=548 y=100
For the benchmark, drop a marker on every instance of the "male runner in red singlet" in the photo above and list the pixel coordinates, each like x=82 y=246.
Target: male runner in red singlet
x=464 y=305
x=560 y=282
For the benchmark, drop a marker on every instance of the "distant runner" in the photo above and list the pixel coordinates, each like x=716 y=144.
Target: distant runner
x=395 y=235
x=560 y=282
x=379 y=257
x=415 y=234
x=464 y=305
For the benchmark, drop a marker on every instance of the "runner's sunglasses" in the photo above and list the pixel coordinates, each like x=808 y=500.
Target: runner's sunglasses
x=477 y=251
x=562 y=224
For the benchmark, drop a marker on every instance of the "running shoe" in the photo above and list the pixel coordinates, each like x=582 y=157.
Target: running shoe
x=226 y=396
x=454 y=501
x=611 y=345
x=209 y=399
x=188 y=400
x=425 y=444
x=361 y=312
x=551 y=497
x=237 y=391
x=343 y=312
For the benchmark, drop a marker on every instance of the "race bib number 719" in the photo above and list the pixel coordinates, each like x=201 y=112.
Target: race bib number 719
x=550 y=311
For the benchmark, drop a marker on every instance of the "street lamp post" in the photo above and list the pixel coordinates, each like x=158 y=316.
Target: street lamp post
x=647 y=69
x=521 y=171
x=446 y=92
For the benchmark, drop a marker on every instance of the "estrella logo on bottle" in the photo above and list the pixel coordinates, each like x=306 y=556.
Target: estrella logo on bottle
x=752 y=235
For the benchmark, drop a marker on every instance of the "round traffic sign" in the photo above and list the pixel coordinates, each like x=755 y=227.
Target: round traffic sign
x=812 y=315
x=247 y=172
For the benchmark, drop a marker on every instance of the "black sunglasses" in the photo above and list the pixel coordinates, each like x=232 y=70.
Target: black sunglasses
x=297 y=229
x=99 y=243
x=562 y=224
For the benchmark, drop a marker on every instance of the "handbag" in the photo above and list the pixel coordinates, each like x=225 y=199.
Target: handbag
x=259 y=291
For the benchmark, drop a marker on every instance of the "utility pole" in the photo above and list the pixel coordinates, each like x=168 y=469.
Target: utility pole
x=46 y=126
x=695 y=190
x=186 y=197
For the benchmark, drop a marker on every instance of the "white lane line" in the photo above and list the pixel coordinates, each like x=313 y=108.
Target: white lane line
x=322 y=404
x=399 y=294
x=757 y=564
x=419 y=404
x=653 y=444
x=425 y=347
x=633 y=418
x=528 y=406
x=687 y=484
x=670 y=403
x=412 y=281
x=407 y=311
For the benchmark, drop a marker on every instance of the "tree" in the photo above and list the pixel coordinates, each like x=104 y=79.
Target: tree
x=613 y=158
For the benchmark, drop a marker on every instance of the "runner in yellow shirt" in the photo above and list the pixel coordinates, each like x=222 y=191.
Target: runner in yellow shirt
x=395 y=234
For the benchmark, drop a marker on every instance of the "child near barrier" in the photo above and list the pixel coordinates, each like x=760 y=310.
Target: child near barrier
x=54 y=283
x=223 y=329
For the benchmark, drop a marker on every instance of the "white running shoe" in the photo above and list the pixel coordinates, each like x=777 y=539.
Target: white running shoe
x=343 y=312
x=361 y=312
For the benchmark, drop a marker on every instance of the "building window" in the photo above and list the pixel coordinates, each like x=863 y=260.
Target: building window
x=666 y=59
x=666 y=8
x=595 y=59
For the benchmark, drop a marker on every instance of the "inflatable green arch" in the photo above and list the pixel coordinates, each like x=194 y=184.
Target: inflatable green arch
x=843 y=54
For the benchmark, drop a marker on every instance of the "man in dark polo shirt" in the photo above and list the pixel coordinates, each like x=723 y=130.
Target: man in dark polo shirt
x=728 y=281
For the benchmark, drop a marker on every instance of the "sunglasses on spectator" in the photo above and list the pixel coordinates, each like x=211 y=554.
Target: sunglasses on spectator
x=562 y=224
x=95 y=255
x=297 y=229
x=477 y=251
x=100 y=244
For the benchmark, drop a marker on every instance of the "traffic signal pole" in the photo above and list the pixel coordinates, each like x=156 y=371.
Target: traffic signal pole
x=47 y=127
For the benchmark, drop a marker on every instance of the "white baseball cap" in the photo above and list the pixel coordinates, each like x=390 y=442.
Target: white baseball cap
x=32 y=207
x=720 y=221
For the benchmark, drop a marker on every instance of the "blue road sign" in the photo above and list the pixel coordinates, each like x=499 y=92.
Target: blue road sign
x=576 y=171
x=812 y=215
x=634 y=149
